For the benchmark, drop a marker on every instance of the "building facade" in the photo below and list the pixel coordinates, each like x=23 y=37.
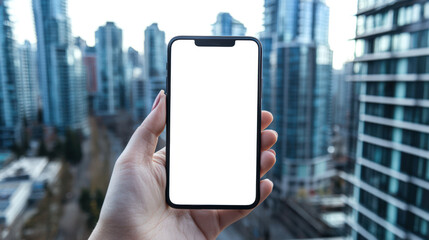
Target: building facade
x=391 y=177
x=61 y=75
x=110 y=70
x=9 y=81
x=226 y=25
x=90 y=63
x=136 y=86
x=155 y=59
x=29 y=96
x=297 y=91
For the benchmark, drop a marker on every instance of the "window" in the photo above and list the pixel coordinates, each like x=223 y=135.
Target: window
x=415 y=139
x=360 y=26
x=379 y=131
x=377 y=154
x=426 y=10
x=392 y=213
x=385 y=89
x=379 y=110
x=360 y=47
x=382 y=44
x=402 y=66
x=369 y=23
x=416 y=115
x=401 y=41
x=409 y=14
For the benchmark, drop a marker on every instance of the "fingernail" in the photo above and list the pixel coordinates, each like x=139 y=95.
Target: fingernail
x=272 y=184
x=277 y=135
x=156 y=102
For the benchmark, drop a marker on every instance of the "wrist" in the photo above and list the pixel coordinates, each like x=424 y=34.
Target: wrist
x=106 y=232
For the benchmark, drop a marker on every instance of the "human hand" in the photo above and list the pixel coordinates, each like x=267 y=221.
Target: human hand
x=135 y=206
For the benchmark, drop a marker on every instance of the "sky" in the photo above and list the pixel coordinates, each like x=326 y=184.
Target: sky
x=178 y=17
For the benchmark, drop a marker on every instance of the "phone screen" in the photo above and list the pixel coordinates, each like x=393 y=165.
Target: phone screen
x=213 y=123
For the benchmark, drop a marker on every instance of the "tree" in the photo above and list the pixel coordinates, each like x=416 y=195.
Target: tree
x=72 y=147
x=85 y=200
x=91 y=205
x=43 y=151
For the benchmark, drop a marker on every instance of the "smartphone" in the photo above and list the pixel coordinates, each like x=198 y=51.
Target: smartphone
x=213 y=122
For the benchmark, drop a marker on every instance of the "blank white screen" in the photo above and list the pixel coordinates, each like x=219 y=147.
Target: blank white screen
x=213 y=123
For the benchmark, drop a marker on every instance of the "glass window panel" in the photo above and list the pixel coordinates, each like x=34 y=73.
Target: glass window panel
x=360 y=24
x=359 y=47
x=415 y=15
x=402 y=68
x=426 y=10
x=392 y=212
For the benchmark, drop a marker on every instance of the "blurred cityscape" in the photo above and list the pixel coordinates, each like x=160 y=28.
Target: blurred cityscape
x=353 y=146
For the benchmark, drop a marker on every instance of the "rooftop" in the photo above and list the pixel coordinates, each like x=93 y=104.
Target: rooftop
x=23 y=169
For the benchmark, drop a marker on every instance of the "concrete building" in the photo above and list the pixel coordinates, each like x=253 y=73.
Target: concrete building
x=23 y=182
x=13 y=201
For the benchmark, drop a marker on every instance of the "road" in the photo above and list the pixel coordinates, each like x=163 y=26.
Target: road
x=73 y=222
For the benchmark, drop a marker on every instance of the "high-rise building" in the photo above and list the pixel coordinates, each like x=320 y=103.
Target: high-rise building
x=298 y=80
x=110 y=70
x=155 y=59
x=391 y=178
x=29 y=87
x=226 y=25
x=139 y=103
x=133 y=70
x=61 y=75
x=90 y=61
x=9 y=79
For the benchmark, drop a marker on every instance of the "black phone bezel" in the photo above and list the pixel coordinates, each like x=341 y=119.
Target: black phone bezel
x=214 y=41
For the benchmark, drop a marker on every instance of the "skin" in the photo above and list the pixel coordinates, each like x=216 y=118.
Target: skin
x=135 y=207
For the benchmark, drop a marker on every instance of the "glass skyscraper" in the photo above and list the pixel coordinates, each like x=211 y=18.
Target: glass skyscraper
x=9 y=79
x=110 y=70
x=297 y=77
x=391 y=179
x=155 y=59
x=61 y=73
x=226 y=25
x=29 y=93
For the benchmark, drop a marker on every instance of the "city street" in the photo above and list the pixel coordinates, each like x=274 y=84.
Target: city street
x=73 y=221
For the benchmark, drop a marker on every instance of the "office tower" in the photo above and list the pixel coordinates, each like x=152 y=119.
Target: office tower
x=135 y=93
x=29 y=88
x=9 y=77
x=391 y=178
x=155 y=58
x=133 y=70
x=90 y=63
x=139 y=103
x=110 y=70
x=344 y=115
x=226 y=25
x=61 y=76
x=298 y=82
x=133 y=57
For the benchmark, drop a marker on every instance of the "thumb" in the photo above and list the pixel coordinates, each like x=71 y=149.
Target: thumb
x=144 y=140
